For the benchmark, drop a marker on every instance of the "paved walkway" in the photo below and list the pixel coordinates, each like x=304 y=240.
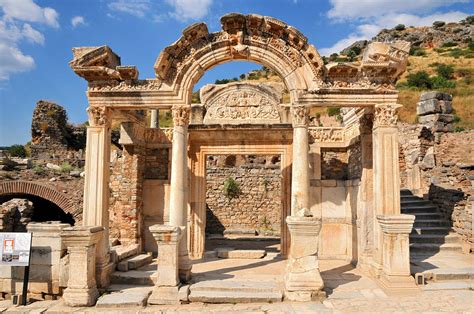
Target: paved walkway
x=349 y=291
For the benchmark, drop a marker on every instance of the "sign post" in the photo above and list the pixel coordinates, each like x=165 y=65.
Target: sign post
x=15 y=250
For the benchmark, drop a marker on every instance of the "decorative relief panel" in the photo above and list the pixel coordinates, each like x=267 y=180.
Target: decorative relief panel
x=238 y=103
x=386 y=115
x=322 y=134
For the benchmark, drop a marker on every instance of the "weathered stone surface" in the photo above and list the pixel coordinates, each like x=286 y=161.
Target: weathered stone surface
x=128 y=298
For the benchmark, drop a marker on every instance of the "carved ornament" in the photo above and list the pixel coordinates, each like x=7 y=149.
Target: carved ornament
x=299 y=115
x=98 y=116
x=386 y=115
x=322 y=134
x=128 y=85
x=180 y=115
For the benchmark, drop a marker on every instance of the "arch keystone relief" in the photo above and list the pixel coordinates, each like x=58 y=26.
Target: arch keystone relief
x=238 y=103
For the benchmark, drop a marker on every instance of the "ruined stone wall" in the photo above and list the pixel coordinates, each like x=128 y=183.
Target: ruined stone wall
x=257 y=205
x=439 y=164
x=341 y=163
x=126 y=182
x=52 y=138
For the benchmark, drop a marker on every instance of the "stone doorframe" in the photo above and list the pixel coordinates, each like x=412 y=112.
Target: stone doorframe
x=240 y=143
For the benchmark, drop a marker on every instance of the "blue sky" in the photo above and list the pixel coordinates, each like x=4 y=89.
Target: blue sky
x=36 y=37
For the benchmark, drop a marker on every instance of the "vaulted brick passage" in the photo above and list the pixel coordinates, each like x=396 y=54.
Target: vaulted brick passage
x=49 y=204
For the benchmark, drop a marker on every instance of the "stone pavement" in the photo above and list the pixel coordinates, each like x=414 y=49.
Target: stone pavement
x=349 y=290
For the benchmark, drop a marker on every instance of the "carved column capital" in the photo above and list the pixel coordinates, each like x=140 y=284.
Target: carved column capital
x=366 y=123
x=98 y=116
x=386 y=115
x=181 y=115
x=299 y=116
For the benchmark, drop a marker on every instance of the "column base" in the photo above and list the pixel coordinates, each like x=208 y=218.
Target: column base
x=398 y=285
x=80 y=297
x=169 y=295
x=305 y=281
x=184 y=268
x=103 y=274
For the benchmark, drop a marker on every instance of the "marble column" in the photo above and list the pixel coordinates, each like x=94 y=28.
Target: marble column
x=96 y=186
x=166 y=290
x=81 y=245
x=300 y=168
x=365 y=214
x=396 y=276
x=386 y=172
x=303 y=280
x=178 y=186
x=154 y=118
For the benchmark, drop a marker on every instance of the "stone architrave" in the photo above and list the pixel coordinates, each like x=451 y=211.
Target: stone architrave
x=300 y=168
x=386 y=172
x=396 y=276
x=167 y=285
x=178 y=185
x=81 y=245
x=96 y=186
x=303 y=281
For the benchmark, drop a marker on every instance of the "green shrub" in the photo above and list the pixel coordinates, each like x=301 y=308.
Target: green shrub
x=400 y=27
x=66 y=167
x=471 y=45
x=417 y=51
x=456 y=119
x=445 y=70
x=419 y=79
x=231 y=188
x=17 y=151
x=333 y=111
x=439 y=82
x=448 y=44
x=39 y=170
x=459 y=129
x=437 y=24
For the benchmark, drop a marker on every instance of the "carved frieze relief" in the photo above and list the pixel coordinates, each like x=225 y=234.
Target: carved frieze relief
x=129 y=85
x=321 y=134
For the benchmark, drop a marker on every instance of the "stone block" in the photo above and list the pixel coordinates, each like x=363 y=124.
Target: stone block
x=44 y=256
x=240 y=254
x=127 y=298
x=428 y=107
x=165 y=295
x=446 y=106
x=435 y=95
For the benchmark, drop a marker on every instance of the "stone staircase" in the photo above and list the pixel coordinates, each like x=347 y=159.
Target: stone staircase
x=431 y=232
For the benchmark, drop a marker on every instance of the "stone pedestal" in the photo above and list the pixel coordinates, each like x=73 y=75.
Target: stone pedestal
x=81 y=245
x=166 y=290
x=179 y=185
x=396 y=276
x=303 y=281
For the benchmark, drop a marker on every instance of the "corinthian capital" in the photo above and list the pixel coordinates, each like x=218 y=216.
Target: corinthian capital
x=98 y=116
x=299 y=115
x=386 y=115
x=181 y=115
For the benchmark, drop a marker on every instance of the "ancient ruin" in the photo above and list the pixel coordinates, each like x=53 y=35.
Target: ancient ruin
x=242 y=163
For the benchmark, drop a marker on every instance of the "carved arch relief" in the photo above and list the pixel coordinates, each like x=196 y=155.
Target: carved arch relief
x=241 y=103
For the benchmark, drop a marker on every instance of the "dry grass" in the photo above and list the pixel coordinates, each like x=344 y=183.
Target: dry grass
x=463 y=94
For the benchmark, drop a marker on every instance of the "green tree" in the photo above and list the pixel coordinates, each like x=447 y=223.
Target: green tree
x=17 y=151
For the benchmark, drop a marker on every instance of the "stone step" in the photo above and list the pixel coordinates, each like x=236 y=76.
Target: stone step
x=428 y=216
x=420 y=248
x=443 y=274
x=233 y=291
x=431 y=230
x=434 y=238
x=128 y=297
x=419 y=209
x=240 y=254
x=410 y=197
x=449 y=285
x=430 y=223
x=121 y=252
x=405 y=192
x=417 y=202
x=134 y=277
x=134 y=262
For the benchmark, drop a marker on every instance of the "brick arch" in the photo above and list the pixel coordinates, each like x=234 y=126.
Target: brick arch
x=39 y=190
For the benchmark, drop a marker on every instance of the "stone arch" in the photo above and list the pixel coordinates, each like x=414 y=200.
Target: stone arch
x=39 y=190
x=261 y=39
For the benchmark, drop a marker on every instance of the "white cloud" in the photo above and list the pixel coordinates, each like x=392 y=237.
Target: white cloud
x=185 y=10
x=15 y=27
x=12 y=60
x=374 y=15
x=358 y=9
x=28 y=11
x=136 y=8
x=78 y=21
